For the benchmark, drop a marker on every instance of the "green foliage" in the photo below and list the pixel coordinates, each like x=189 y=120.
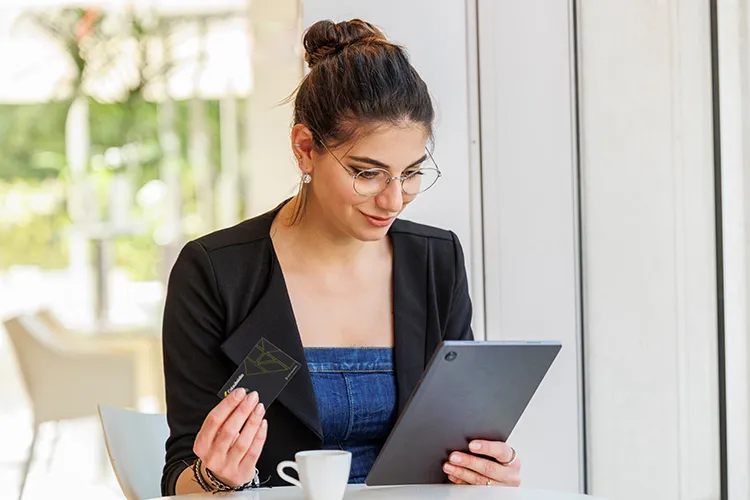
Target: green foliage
x=116 y=124
x=139 y=255
x=32 y=233
x=32 y=155
x=40 y=242
x=32 y=140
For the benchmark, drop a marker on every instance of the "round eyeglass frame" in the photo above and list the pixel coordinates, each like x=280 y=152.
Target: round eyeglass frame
x=402 y=178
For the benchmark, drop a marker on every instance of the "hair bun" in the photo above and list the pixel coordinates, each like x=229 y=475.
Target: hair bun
x=325 y=39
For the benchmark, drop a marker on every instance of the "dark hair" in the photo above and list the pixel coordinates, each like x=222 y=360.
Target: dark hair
x=357 y=78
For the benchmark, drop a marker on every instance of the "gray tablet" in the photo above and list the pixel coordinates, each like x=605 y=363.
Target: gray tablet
x=470 y=390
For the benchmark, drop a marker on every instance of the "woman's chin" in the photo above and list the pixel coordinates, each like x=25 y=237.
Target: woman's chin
x=370 y=233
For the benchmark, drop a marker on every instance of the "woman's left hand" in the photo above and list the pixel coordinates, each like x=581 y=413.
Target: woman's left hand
x=503 y=468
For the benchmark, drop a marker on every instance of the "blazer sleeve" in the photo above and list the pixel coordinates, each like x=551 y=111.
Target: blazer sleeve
x=194 y=366
x=458 y=326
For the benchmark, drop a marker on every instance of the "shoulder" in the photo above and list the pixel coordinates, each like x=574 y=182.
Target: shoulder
x=229 y=254
x=443 y=243
x=416 y=230
x=249 y=232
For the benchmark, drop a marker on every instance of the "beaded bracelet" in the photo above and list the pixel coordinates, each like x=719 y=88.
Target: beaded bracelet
x=216 y=485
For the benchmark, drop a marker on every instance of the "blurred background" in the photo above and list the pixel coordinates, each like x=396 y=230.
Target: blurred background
x=595 y=160
x=124 y=129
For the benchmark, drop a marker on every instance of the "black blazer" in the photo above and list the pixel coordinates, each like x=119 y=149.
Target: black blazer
x=226 y=290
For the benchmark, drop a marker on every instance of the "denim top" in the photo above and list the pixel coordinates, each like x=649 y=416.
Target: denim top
x=356 y=393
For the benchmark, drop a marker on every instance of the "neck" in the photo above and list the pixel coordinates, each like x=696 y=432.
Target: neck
x=315 y=240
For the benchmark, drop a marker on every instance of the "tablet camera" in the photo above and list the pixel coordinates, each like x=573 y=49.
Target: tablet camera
x=451 y=356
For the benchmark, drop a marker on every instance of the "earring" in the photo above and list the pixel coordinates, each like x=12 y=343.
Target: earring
x=306 y=178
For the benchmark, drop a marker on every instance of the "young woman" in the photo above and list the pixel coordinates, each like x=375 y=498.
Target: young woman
x=331 y=277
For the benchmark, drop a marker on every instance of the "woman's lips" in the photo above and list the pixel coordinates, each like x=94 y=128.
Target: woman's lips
x=378 y=221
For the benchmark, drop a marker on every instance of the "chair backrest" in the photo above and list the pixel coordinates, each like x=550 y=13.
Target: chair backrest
x=48 y=319
x=135 y=444
x=34 y=348
x=65 y=381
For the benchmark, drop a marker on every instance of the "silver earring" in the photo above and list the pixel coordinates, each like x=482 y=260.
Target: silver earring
x=306 y=178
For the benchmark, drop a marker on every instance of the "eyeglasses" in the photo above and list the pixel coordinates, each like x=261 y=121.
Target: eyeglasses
x=373 y=181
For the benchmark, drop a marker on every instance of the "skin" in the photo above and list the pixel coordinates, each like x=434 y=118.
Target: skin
x=226 y=447
x=338 y=254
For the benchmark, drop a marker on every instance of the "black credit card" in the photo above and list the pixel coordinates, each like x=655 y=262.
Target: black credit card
x=267 y=370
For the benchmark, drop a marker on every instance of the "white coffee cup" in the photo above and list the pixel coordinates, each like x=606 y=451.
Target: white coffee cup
x=323 y=474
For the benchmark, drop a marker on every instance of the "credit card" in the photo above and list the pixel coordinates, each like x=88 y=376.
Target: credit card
x=267 y=370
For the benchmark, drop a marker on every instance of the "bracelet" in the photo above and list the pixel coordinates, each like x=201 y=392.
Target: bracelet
x=216 y=485
x=199 y=477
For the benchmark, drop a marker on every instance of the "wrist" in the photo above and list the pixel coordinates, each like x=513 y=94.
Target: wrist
x=213 y=483
x=209 y=476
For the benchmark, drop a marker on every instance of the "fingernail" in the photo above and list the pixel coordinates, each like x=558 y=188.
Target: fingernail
x=259 y=409
x=449 y=468
x=474 y=446
x=456 y=458
x=239 y=394
x=252 y=397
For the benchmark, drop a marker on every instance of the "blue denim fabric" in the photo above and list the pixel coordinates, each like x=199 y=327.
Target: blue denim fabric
x=356 y=393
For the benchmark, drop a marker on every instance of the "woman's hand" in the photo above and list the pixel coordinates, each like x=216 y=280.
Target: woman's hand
x=232 y=437
x=503 y=468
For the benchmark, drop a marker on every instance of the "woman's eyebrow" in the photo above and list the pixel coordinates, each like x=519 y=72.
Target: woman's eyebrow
x=376 y=163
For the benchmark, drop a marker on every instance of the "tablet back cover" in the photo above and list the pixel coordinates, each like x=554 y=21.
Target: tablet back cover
x=470 y=390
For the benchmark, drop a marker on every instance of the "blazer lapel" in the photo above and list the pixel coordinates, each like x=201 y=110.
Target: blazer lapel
x=273 y=318
x=409 y=314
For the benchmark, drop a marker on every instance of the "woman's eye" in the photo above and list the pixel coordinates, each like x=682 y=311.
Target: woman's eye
x=412 y=173
x=368 y=174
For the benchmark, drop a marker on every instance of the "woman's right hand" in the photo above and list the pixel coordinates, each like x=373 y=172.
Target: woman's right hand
x=232 y=437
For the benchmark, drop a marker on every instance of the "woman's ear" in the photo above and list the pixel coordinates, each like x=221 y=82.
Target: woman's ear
x=302 y=146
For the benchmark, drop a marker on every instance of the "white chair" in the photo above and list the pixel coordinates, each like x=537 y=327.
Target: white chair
x=65 y=381
x=135 y=443
x=148 y=342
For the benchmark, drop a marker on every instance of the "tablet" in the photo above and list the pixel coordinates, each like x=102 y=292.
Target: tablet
x=470 y=390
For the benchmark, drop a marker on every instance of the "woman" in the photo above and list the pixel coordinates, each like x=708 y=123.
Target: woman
x=332 y=278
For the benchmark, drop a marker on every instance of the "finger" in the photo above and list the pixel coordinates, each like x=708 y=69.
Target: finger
x=509 y=476
x=230 y=430
x=455 y=480
x=498 y=450
x=467 y=476
x=483 y=466
x=215 y=420
x=253 y=453
x=247 y=434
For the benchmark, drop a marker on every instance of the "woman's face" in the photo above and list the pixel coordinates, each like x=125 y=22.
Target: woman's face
x=397 y=149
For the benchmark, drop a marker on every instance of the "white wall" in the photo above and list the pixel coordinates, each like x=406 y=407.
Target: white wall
x=435 y=35
x=734 y=88
x=276 y=70
x=530 y=215
x=649 y=246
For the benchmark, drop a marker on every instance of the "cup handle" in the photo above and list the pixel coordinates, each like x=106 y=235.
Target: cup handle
x=280 y=470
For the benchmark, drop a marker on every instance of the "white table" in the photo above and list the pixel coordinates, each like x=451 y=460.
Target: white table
x=420 y=492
